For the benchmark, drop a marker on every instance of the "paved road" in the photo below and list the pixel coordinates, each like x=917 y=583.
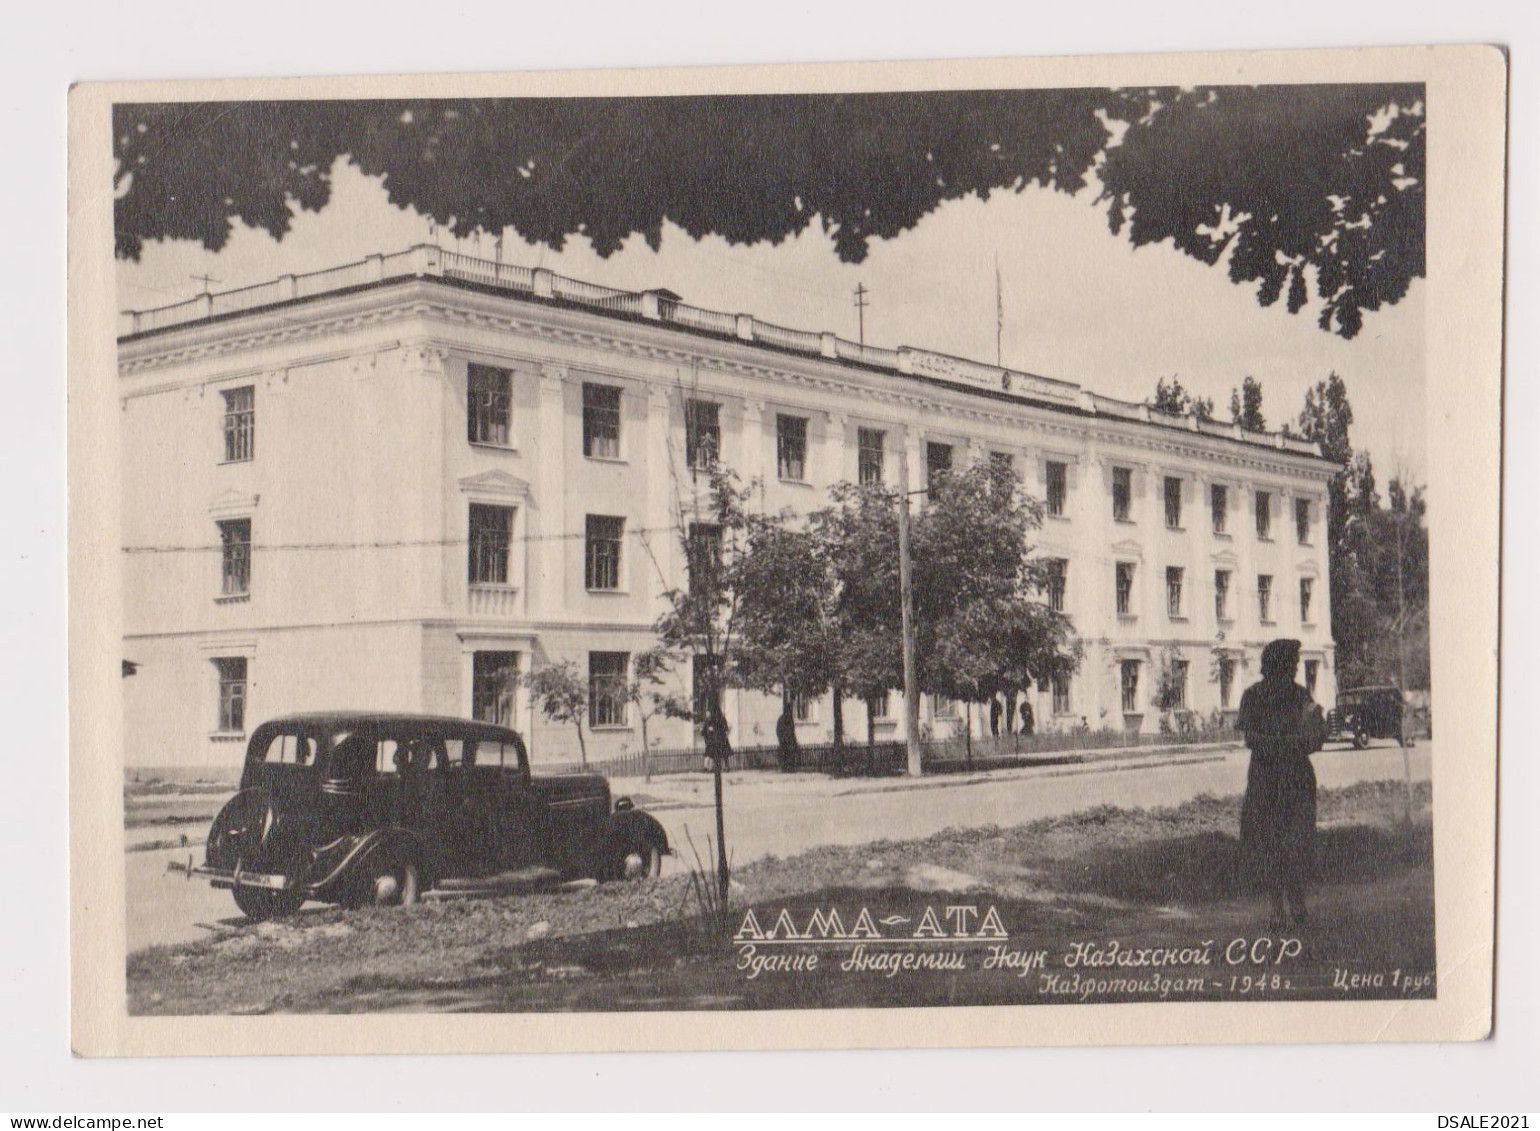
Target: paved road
x=770 y=816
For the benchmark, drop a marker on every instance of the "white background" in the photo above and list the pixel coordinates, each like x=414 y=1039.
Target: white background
x=55 y=44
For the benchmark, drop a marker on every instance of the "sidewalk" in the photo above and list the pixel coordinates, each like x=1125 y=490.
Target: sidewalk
x=688 y=790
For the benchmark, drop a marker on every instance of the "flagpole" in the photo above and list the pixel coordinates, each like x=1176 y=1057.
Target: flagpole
x=999 y=312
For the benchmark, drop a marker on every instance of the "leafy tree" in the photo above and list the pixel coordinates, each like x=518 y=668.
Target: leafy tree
x=1177 y=401
x=650 y=672
x=1246 y=406
x=562 y=694
x=700 y=618
x=1284 y=184
x=784 y=616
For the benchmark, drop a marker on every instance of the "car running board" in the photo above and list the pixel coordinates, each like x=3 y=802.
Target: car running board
x=502 y=883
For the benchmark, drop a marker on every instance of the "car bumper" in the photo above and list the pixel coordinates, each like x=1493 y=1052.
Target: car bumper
x=228 y=879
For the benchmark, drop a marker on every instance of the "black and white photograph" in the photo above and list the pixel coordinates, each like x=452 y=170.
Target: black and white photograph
x=815 y=550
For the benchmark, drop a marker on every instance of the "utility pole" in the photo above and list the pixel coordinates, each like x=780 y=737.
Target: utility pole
x=861 y=304
x=205 y=280
x=906 y=598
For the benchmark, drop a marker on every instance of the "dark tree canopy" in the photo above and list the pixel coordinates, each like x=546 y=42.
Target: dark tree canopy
x=1312 y=179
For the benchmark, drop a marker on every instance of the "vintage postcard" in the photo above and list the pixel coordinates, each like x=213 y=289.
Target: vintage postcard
x=879 y=555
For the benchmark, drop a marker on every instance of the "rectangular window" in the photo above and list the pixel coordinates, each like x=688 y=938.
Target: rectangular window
x=601 y=421
x=881 y=707
x=1226 y=681
x=1264 y=516
x=1265 y=597
x=1312 y=675
x=791 y=447
x=1306 y=592
x=1302 y=521
x=1179 y=683
x=1061 y=694
x=1058 y=579
x=491 y=535
x=1058 y=487
x=1125 y=584
x=1219 y=506
x=869 y=455
x=1222 y=594
x=232 y=694
x=1130 y=680
x=938 y=461
x=487 y=407
x=942 y=707
x=1122 y=493
x=803 y=709
x=240 y=424
x=702 y=433
x=235 y=557
x=705 y=555
x=1173 y=503
x=493 y=678
x=601 y=560
x=1174 y=591
x=607 y=688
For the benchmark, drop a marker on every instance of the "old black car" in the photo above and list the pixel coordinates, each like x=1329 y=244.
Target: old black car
x=1363 y=713
x=359 y=809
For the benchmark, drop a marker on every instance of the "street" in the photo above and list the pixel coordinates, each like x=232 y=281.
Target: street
x=771 y=815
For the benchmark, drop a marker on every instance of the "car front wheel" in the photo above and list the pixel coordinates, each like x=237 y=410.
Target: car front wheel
x=1360 y=739
x=636 y=861
x=389 y=882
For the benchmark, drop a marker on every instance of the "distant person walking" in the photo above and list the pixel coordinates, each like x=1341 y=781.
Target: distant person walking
x=1283 y=727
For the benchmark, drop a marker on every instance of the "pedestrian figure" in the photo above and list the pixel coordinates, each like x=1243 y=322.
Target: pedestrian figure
x=1283 y=727
x=1027 y=722
x=994 y=718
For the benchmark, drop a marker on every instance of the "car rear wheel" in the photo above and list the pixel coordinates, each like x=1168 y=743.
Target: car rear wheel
x=635 y=860
x=1360 y=739
x=261 y=904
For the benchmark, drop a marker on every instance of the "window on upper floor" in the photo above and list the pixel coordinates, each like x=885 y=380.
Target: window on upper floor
x=488 y=406
x=240 y=424
x=702 y=433
x=1219 y=506
x=607 y=688
x=1058 y=581
x=1306 y=595
x=705 y=555
x=1174 y=576
x=491 y=538
x=1173 y=490
x=1265 y=516
x=1222 y=594
x=1265 y=598
x=1302 y=521
x=938 y=462
x=235 y=557
x=1122 y=493
x=869 y=456
x=791 y=447
x=1312 y=675
x=232 y=694
x=601 y=421
x=1123 y=575
x=1057 y=487
x=603 y=535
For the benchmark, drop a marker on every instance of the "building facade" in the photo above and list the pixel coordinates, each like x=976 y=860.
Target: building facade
x=397 y=483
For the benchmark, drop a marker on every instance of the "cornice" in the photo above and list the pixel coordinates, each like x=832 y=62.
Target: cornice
x=425 y=300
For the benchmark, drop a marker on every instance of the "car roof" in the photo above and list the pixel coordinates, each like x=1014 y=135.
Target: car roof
x=443 y=725
x=1373 y=687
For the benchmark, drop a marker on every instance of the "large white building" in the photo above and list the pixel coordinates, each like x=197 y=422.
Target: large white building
x=392 y=483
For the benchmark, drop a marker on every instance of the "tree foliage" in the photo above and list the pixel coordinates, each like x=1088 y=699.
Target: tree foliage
x=1287 y=184
x=562 y=695
x=1246 y=406
x=1177 y=401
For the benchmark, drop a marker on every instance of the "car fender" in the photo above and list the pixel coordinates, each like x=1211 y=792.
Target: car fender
x=633 y=826
x=390 y=839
